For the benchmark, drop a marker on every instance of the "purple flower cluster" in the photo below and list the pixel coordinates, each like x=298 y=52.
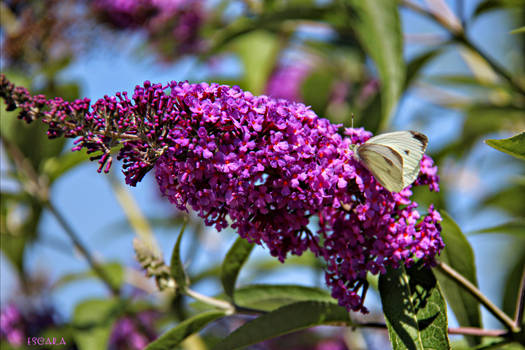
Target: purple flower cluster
x=263 y=166
x=16 y=325
x=172 y=25
x=134 y=333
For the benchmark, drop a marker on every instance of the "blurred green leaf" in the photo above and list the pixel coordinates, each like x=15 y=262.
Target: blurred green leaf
x=515 y=145
x=518 y=30
x=258 y=52
x=515 y=228
x=113 y=270
x=378 y=27
x=512 y=284
x=417 y=64
x=509 y=199
x=92 y=321
x=287 y=319
x=176 y=335
x=55 y=167
x=415 y=310
x=176 y=266
x=269 y=297
x=459 y=255
x=317 y=89
x=491 y=5
x=232 y=264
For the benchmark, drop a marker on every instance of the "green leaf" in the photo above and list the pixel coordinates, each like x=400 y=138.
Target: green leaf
x=415 y=311
x=491 y=5
x=258 y=52
x=459 y=255
x=515 y=228
x=415 y=66
x=512 y=284
x=232 y=264
x=176 y=335
x=113 y=270
x=176 y=266
x=515 y=145
x=269 y=297
x=93 y=321
x=317 y=88
x=56 y=166
x=287 y=319
x=518 y=30
x=378 y=28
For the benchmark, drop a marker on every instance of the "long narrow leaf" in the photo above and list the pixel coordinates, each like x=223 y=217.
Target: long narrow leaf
x=232 y=264
x=176 y=335
x=287 y=319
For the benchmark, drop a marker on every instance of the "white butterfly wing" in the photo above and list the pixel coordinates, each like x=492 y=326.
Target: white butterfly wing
x=384 y=163
x=409 y=146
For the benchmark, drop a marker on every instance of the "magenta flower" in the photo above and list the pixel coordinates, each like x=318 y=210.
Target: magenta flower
x=134 y=332
x=285 y=82
x=265 y=167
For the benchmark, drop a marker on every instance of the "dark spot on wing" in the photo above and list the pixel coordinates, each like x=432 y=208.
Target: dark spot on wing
x=420 y=137
x=388 y=161
x=407 y=152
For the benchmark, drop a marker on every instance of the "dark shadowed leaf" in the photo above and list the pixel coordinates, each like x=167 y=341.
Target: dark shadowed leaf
x=415 y=310
x=378 y=27
x=459 y=255
x=512 y=284
x=287 y=319
x=177 y=268
x=491 y=5
x=92 y=321
x=176 y=335
x=515 y=145
x=232 y=264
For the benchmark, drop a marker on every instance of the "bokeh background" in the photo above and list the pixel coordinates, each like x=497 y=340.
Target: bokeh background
x=307 y=51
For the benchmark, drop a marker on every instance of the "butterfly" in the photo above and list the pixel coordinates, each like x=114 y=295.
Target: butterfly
x=393 y=158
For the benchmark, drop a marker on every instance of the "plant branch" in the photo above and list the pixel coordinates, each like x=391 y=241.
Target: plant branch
x=459 y=36
x=472 y=289
x=38 y=189
x=82 y=248
x=520 y=303
x=221 y=304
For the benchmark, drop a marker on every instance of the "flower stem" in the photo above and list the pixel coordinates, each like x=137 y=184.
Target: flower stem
x=472 y=289
x=99 y=271
x=520 y=303
x=221 y=304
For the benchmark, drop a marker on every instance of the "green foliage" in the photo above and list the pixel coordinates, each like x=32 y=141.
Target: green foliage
x=459 y=255
x=232 y=264
x=287 y=319
x=114 y=270
x=515 y=145
x=415 y=310
x=176 y=266
x=92 y=321
x=177 y=334
x=378 y=27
